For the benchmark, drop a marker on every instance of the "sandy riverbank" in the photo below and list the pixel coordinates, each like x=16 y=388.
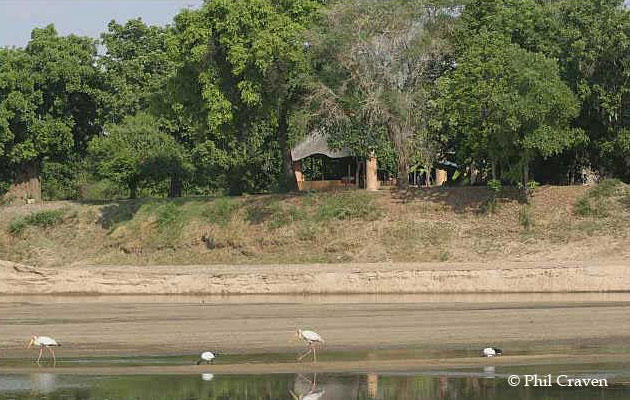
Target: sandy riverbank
x=255 y=333
x=318 y=278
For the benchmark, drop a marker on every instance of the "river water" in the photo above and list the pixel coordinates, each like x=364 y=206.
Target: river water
x=438 y=385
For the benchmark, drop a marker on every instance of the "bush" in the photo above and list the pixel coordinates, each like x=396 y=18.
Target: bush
x=220 y=211
x=45 y=218
x=42 y=219
x=526 y=218
x=605 y=188
x=583 y=207
x=596 y=202
x=343 y=206
x=17 y=226
x=167 y=215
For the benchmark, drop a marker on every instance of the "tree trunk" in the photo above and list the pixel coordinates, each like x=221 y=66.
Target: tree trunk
x=27 y=185
x=526 y=190
x=428 y=175
x=175 y=188
x=133 y=190
x=403 y=174
x=288 y=183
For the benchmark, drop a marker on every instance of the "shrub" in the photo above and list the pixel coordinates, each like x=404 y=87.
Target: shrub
x=45 y=218
x=605 y=188
x=17 y=226
x=167 y=215
x=220 y=211
x=526 y=218
x=583 y=207
x=596 y=202
x=490 y=205
x=42 y=219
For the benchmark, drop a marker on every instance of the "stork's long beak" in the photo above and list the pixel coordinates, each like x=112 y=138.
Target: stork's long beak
x=30 y=343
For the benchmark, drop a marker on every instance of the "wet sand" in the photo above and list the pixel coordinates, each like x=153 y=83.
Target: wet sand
x=362 y=332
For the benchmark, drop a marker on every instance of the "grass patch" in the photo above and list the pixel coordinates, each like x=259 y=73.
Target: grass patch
x=220 y=211
x=410 y=234
x=167 y=215
x=526 y=218
x=605 y=188
x=351 y=205
x=42 y=219
x=598 y=201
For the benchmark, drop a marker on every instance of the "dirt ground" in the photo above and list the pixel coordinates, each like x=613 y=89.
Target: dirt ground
x=492 y=277
x=362 y=332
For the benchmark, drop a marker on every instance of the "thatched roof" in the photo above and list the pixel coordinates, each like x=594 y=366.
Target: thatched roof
x=316 y=143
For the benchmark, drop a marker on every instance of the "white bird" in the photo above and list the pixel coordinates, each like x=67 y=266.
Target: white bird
x=491 y=352
x=312 y=339
x=207 y=357
x=44 y=342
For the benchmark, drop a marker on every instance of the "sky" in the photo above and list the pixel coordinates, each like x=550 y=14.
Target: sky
x=81 y=17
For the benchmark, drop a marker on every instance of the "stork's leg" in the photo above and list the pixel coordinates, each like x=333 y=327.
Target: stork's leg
x=314 y=355
x=309 y=351
x=52 y=352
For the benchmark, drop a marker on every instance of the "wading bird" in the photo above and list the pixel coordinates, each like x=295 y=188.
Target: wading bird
x=207 y=357
x=313 y=339
x=491 y=352
x=44 y=342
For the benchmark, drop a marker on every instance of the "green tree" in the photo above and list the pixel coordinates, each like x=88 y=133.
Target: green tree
x=591 y=42
x=50 y=105
x=137 y=62
x=243 y=63
x=507 y=105
x=135 y=152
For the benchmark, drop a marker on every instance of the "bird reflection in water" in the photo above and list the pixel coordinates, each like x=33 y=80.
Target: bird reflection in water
x=44 y=383
x=372 y=385
x=307 y=390
x=207 y=377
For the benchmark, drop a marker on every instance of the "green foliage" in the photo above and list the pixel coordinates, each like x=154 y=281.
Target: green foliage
x=50 y=101
x=376 y=74
x=167 y=215
x=350 y=205
x=135 y=152
x=17 y=226
x=605 y=188
x=221 y=210
x=506 y=104
x=136 y=64
x=43 y=219
x=526 y=218
x=598 y=202
x=490 y=206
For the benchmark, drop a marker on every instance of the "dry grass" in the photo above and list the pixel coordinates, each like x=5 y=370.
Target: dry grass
x=347 y=226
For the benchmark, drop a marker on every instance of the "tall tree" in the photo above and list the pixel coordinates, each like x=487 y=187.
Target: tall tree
x=247 y=57
x=50 y=96
x=590 y=41
x=137 y=62
x=384 y=56
x=507 y=105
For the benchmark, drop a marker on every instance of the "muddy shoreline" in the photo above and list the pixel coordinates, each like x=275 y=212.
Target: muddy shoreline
x=536 y=363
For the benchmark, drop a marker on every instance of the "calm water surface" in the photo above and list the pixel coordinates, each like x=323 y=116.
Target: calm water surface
x=441 y=385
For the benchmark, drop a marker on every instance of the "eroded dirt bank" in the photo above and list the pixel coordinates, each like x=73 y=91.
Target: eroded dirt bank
x=318 y=278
